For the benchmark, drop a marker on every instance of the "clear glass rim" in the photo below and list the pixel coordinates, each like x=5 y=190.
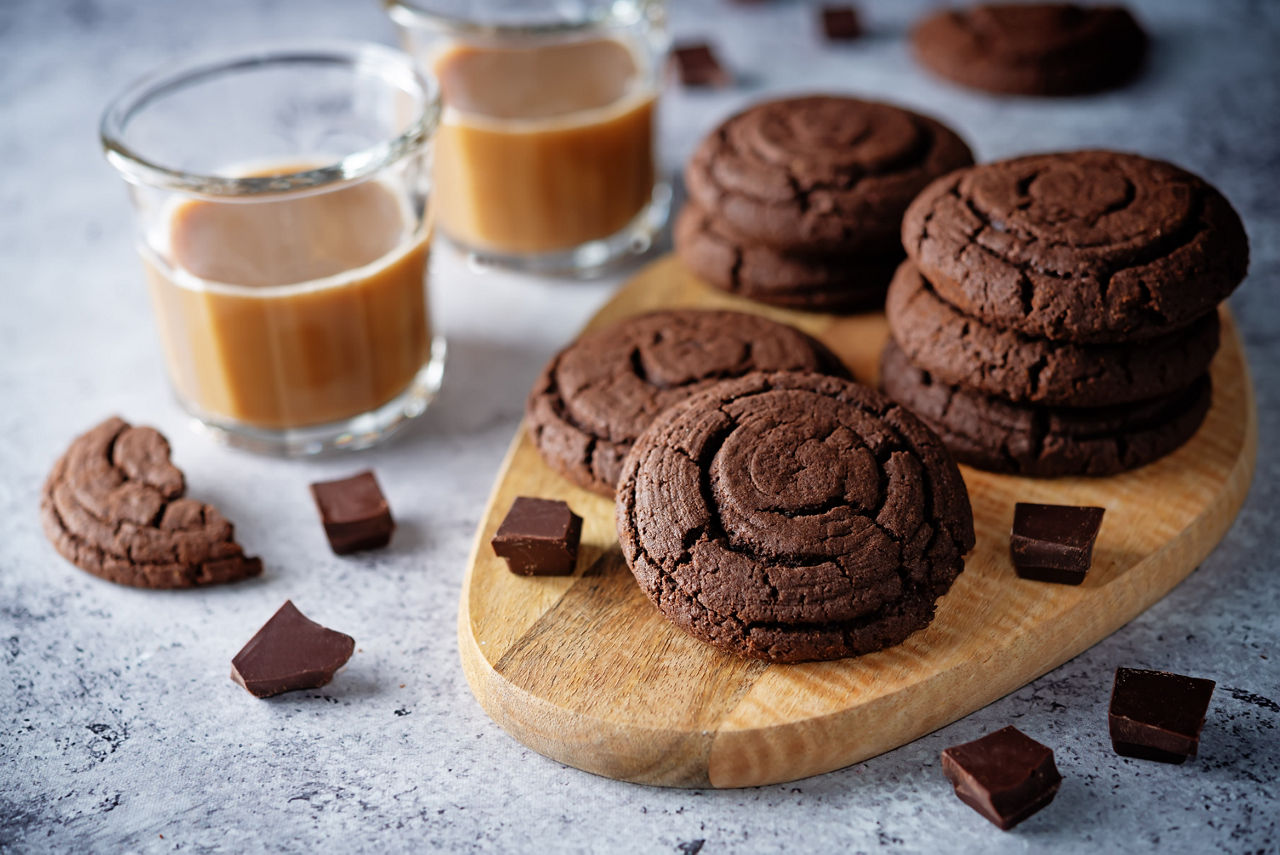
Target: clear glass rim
x=378 y=60
x=410 y=15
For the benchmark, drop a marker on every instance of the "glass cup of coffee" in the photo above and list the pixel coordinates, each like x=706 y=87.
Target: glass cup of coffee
x=545 y=160
x=281 y=200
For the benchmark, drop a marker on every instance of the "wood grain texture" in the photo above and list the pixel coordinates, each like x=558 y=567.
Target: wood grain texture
x=584 y=670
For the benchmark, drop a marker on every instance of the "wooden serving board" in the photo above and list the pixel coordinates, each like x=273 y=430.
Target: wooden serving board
x=584 y=670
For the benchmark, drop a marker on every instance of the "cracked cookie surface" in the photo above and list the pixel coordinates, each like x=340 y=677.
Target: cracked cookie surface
x=113 y=505
x=826 y=283
x=958 y=350
x=1033 y=48
x=1085 y=246
x=820 y=172
x=1045 y=442
x=597 y=395
x=792 y=517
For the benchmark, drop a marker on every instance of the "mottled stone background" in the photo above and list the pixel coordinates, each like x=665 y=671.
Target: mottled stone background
x=119 y=729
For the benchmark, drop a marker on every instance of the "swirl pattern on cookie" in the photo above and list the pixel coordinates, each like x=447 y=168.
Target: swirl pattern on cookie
x=598 y=394
x=792 y=517
x=1085 y=246
x=113 y=505
x=820 y=172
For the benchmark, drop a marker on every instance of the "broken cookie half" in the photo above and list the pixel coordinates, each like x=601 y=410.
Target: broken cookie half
x=113 y=506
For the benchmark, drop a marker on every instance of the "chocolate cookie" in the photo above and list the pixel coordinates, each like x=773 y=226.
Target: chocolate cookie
x=1001 y=436
x=598 y=394
x=820 y=173
x=1085 y=246
x=113 y=506
x=957 y=350
x=1032 y=49
x=791 y=517
x=821 y=283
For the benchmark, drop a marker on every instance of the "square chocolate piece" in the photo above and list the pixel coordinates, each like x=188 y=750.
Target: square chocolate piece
x=840 y=23
x=1155 y=715
x=539 y=537
x=697 y=66
x=354 y=513
x=1006 y=776
x=1054 y=543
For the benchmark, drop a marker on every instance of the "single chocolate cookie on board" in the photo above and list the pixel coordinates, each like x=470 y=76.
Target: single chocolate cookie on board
x=1032 y=48
x=820 y=173
x=113 y=506
x=820 y=283
x=1045 y=442
x=1083 y=246
x=598 y=394
x=957 y=350
x=791 y=517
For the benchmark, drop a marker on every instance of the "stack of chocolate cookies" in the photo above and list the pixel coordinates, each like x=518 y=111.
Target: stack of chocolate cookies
x=797 y=202
x=1057 y=313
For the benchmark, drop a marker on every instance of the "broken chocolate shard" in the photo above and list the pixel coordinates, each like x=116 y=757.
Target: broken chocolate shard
x=354 y=513
x=1155 y=715
x=1006 y=776
x=539 y=537
x=840 y=23
x=696 y=65
x=290 y=652
x=1054 y=543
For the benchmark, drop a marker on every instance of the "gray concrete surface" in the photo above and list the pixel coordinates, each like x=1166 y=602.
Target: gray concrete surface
x=119 y=730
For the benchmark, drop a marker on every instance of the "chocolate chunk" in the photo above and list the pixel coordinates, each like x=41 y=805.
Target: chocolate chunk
x=1054 y=543
x=696 y=65
x=539 y=537
x=1006 y=776
x=1155 y=715
x=840 y=23
x=290 y=652
x=354 y=513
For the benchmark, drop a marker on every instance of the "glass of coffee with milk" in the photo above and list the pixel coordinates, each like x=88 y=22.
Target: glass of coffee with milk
x=283 y=210
x=545 y=160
